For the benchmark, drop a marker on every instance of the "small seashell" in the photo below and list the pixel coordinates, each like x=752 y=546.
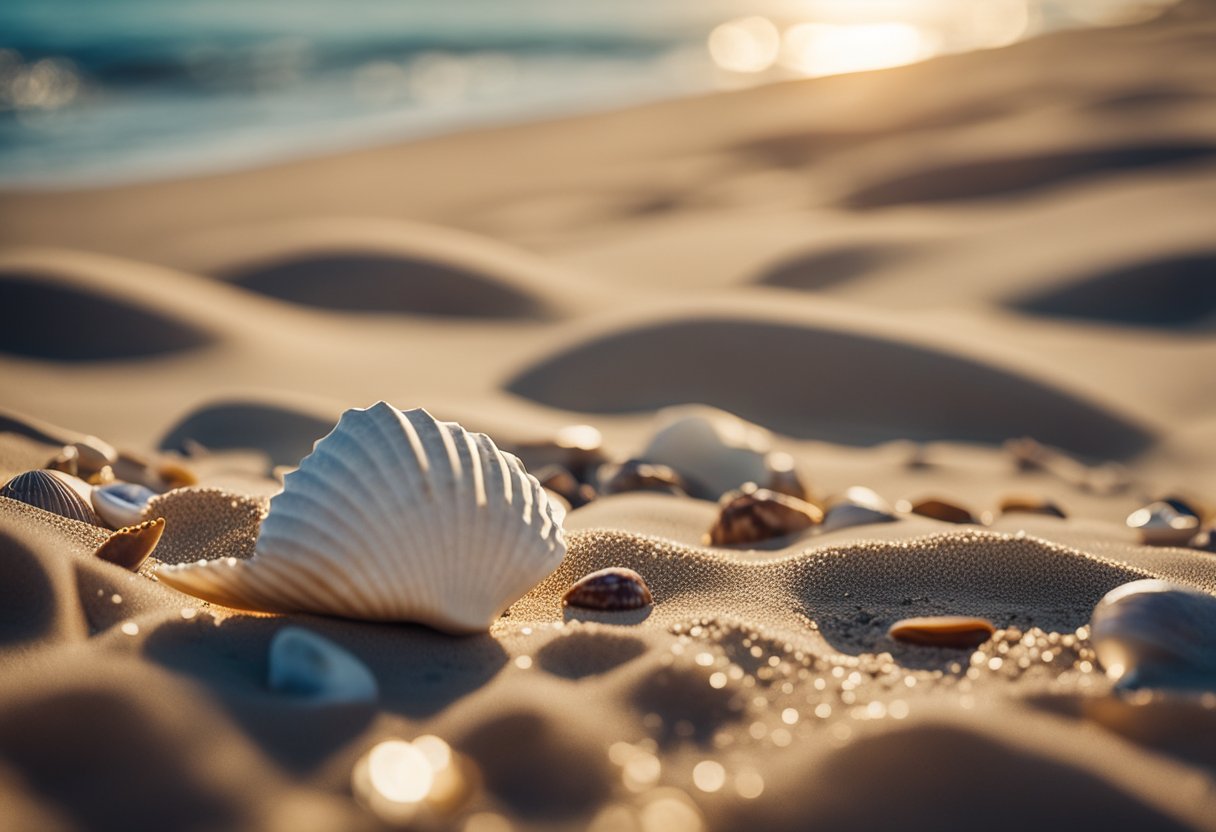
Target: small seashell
x=938 y=510
x=175 y=475
x=783 y=476
x=394 y=516
x=858 y=506
x=943 y=631
x=52 y=491
x=711 y=448
x=102 y=476
x=93 y=454
x=1028 y=504
x=756 y=514
x=67 y=461
x=121 y=503
x=1205 y=541
x=129 y=547
x=1152 y=633
x=577 y=448
x=1163 y=524
x=611 y=590
x=305 y=665
x=560 y=481
x=635 y=475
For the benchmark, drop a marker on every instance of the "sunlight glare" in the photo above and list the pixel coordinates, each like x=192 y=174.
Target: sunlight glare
x=749 y=44
x=816 y=49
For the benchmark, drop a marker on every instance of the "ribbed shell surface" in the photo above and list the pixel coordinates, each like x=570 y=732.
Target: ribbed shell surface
x=47 y=491
x=394 y=516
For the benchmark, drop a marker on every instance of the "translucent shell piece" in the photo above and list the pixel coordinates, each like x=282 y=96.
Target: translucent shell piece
x=1152 y=633
x=129 y=547
x=394 y=516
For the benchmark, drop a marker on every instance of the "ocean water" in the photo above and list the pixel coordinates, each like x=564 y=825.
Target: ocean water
x=98 y=91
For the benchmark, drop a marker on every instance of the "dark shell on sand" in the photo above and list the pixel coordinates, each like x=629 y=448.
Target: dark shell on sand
x=129 y=547
x=783 y=476
x=941 y=510
x=611 y=590
x=757 y=514
x=1028 y=504
x=561 y=481
x=943 y=631
x=636 y=475
x=51 y=491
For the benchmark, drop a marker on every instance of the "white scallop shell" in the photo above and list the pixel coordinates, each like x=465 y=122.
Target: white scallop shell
x=394 y=516
x=715 y=450
x=1156 y=634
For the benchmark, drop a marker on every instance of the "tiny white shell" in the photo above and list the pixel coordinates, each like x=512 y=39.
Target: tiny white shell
x=1163 y=524
x=303 y=664
x=394 y=516
x=1156 y=634
x=859 y=506
x=715 y=450
x=121 y=504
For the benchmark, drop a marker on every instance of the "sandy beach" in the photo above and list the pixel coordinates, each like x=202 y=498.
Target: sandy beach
x=985 y=276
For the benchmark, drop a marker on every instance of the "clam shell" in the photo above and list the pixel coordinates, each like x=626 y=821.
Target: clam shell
x=52 y=491
x=394 y=516
x=858 y=506
x=757 y=514
x=305 y=665
x=1164 y=524
x=943 y=631
x=611 y=590
x=121 y=504
x=129 y=547
x=1152 y=633
x=711 y=448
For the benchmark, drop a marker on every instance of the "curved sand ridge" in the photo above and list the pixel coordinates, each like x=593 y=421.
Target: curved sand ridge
x=824 y=376
x=75 y=306
x=1173 y=290
x=381 y=267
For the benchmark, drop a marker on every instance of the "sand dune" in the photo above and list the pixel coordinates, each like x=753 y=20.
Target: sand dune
x=371 y=265
x=1175 y=291
x=1003 y=177
x=823 y=381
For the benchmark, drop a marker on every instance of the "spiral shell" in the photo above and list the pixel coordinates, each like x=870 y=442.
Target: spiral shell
x=394 y=516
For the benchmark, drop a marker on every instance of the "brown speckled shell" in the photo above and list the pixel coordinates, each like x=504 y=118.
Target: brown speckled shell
x=49 y=491
x=943 y=631
x=612 y=590
x=759 y=514
x=129 y=547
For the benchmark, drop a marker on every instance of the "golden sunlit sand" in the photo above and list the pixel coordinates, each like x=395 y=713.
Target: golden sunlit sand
x=960 y=309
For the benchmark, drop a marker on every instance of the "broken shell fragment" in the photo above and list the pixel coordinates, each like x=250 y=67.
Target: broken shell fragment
x=756 y=514
x=129 y=547
x=610 y=590
x=943 y=631
x=1029 y=504
x=1163 y=524
x=635 y=475
x=121 y=504
x=858 y=506
x=1152 y=633
x=937 y=509
x=312 y=668
x=52 y=491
